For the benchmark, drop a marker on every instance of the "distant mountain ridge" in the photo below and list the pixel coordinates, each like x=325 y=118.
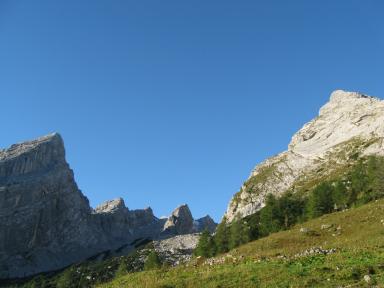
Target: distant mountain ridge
x=46 y=223
x=350 y=125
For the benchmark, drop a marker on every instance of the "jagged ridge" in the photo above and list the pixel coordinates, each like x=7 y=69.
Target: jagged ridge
x=46 y=223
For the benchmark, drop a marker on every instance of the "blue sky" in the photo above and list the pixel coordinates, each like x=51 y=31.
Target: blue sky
x=171 y=102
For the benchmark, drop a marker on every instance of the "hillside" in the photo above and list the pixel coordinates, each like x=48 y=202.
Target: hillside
x=347 y=124
x=343 y=249
x=334 y=164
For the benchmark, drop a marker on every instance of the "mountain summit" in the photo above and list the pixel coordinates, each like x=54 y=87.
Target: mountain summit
x=46 y=223
x=350 y=123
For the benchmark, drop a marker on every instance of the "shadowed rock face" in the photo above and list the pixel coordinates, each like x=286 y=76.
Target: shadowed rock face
x=203 y=223
x=46 y=223
x=44 y=218
x=123 y=225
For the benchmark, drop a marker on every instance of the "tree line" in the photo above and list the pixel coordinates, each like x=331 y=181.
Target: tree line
x=363 y=183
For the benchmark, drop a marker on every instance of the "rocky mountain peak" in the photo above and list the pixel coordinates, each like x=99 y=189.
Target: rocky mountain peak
x=205 y=222
x=32 y=156
x=345 y=118
x=42 y=207
x=342 y=95
x=342 y=101
x=346 y=115
x=111 y=206
x=15 y=150
x=182 y=209
x=181 y=220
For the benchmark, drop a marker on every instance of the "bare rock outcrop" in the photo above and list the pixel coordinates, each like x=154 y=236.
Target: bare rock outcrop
x=180 y=221
x=205 y=223
x=349 y=122
x=46 y=223
x=177 y=249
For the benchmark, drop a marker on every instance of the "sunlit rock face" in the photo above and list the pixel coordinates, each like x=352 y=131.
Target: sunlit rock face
x=180 y=221
x=46 y=223
x=348 y=117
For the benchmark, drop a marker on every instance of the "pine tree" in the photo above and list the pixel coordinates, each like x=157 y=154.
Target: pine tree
x=320 y=200
x=375 y=179
x=359 y=182
x=339 y=195
x=65 y=279
x=212 y=246
x=379 y=184
x=235 y=234
x=291 y=210
x=152 y=262
x=253 y=223
x=121 y=269
x=221 y=237
x=245 y=232
x=270 y=216
x=206 y=245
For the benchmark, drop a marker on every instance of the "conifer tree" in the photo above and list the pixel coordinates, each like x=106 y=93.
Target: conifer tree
x=269 y=216
x=235 y=234
x=153 y=261
x=206 y=245
x=65 y=279
x=359 y=182
x=222 y=237
x=320 y=200
x=375 y=178
x=121 y=269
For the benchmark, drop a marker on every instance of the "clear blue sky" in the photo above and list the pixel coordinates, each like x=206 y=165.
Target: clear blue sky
x=171 y=102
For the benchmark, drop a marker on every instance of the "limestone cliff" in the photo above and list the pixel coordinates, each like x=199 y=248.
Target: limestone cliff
x=44 y=218
x=349 y=124
x=180 y=222
x=46 y=223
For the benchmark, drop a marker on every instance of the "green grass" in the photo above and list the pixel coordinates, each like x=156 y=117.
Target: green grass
x=271 y=261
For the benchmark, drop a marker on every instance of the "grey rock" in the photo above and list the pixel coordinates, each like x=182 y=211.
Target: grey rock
x=367 y=278
x=326 y=226
x=44 y=218
x=205 y=223
x=304 y=230
x=177 y=249
x=46 y=223
x=122 y=225
x=347 y=118
x=180 y=221
x=314 y=251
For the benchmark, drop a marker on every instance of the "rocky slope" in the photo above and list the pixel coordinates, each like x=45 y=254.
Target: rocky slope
x=348 y=126
x=46 y=223
x=176 y=250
